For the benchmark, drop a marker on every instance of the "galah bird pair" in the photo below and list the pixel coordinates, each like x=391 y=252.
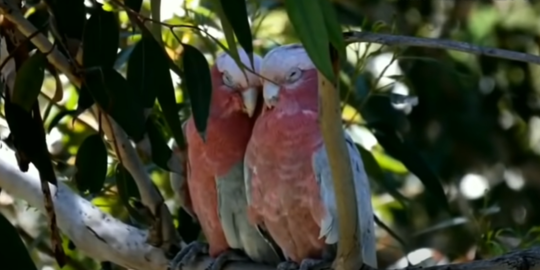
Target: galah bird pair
x=262 y=178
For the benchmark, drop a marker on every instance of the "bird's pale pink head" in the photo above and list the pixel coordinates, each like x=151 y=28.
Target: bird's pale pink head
x=234 y=89
x=292 y=78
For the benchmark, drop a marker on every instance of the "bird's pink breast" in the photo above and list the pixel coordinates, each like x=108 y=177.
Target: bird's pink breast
x=225 y=146
x=285 y=195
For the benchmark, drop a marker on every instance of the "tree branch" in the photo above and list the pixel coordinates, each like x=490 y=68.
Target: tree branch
x=150 y=197
x=349 y=254
x=94 y=232
x=395 y=40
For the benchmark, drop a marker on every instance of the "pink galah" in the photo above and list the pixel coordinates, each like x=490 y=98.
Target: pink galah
x=288 y=178
x=215 y=177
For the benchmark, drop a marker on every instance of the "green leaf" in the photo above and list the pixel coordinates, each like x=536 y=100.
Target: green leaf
x=29 y=140
x=145 y=64
x=128 y=191
x=101 y=39
x=13 y=253
x=374 y=171
x=123 y=56
x=333 y=27
x=134 y=4
x=199 y=86
x=236 y=13
x=70 y=17
x=228 y=32
x=308 y=21
x=91 y=164
x=161 y=153
x=58 y=117
x=111 y=91
x=29 y=81
x=410 y=157
x=149 y=72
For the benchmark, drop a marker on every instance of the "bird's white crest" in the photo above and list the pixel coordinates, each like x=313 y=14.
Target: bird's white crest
x=225 y=62
x=284 y=58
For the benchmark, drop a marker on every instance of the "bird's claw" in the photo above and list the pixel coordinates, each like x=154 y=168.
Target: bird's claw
x=225 y=257
x=188 y=255
x=314 y=264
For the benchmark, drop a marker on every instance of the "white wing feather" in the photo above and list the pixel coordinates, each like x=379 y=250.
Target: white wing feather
x=329 y=224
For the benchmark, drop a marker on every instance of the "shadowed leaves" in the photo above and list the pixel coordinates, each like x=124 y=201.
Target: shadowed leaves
x=199 y=86
x=91 y=164
x=13 y=253
x=111 y=91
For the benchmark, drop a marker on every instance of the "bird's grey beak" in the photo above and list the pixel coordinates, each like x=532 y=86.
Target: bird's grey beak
x=271 y=94
x=249 y=98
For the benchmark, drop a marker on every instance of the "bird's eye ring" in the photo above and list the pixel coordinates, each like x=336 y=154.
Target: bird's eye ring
x=294 y=75
x=227 y=79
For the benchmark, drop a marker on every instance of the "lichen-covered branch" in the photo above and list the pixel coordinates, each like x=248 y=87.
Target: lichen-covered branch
x=94 y=232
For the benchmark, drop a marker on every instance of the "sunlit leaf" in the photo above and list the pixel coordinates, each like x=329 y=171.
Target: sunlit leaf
x=13 y=252
x=199 y=85
x=308 y=21
x=58 y=117
x=91 y=164
x=374 y=171
x=29 y=81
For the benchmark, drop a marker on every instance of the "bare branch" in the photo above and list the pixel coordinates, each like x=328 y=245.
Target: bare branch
x=395 y=40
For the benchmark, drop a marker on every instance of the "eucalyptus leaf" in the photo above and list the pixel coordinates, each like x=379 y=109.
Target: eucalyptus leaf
x=236 y=13
x=228 y=32
x=91 y=164
x=128 y=191
x=161 y=153
x=308 y=21
x=112 y=92
x=199 y=85
x=410 y=157
x=29 y=81
x=13 y=252
x=333 y=27
x=144 y=67
x=101 y=39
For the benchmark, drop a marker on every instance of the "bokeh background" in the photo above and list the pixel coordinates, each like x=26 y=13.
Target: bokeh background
x=472 y=120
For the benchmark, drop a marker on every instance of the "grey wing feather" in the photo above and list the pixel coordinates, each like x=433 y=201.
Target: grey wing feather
x=232 y=206
x=329 y=224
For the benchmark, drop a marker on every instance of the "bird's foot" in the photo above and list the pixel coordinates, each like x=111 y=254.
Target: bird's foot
x=306 y=264
x=287 y=265
x=314 y=264
x=188 y=255
x=231 y=255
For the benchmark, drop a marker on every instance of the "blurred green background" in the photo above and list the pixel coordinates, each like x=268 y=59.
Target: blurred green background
x=474 y=120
